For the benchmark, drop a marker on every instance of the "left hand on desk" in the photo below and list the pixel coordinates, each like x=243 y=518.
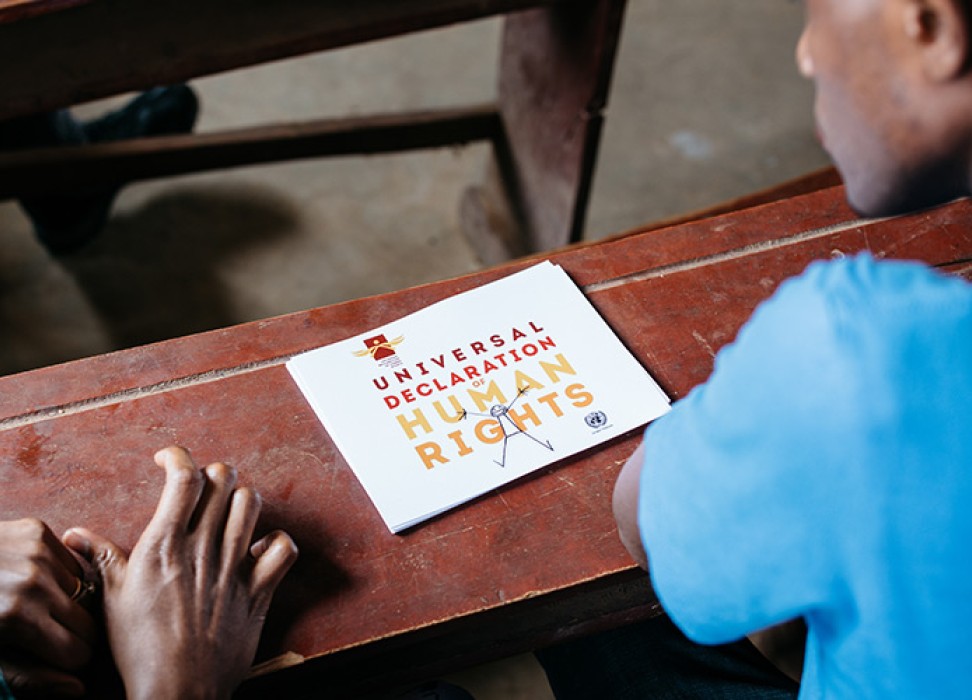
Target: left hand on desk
x=184 y=612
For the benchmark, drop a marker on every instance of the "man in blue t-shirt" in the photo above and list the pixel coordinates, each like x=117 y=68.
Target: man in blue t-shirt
x=823 y=474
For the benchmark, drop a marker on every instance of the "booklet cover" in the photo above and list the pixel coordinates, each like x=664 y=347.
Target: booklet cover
x=474 y=391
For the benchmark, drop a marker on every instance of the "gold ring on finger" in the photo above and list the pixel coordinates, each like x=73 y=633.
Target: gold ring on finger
x=82 y=590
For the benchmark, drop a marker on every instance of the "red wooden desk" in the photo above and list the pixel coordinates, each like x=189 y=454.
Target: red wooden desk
x=536 y=562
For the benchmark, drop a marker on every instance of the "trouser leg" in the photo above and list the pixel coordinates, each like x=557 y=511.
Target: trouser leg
x=653 y=659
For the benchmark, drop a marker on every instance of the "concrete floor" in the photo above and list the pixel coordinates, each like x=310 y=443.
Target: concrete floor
x=706 y=105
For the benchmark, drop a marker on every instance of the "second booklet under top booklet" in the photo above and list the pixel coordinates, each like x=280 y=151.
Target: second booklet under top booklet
x=474 y=391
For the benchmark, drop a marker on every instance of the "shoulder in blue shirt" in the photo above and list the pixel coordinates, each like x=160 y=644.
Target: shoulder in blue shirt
x=825 y=471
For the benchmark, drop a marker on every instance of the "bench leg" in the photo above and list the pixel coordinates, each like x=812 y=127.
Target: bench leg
x=555 y=70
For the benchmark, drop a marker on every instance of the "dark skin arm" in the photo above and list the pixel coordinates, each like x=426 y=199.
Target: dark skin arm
x=784 y=645
x=184 y=611
x=625 y=504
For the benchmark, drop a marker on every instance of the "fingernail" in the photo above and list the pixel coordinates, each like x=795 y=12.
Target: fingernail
x=161 y=456
x=285 y=544
x=77 y=541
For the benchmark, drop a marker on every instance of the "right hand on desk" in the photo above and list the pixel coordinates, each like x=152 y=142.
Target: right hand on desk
x=184 y=612
x=45 y=635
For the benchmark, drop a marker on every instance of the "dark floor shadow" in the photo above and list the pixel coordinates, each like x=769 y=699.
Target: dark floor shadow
x=155 y=272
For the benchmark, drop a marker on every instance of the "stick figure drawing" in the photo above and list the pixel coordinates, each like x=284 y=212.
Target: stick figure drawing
x=501 y=414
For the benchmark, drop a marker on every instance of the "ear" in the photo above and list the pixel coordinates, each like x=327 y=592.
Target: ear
x=939 y=31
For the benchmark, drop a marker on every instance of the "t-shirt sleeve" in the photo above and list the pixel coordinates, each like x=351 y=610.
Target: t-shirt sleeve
x=736 y=504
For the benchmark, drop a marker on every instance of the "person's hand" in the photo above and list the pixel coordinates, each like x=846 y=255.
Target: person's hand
x=45 y=634
x=184 y=612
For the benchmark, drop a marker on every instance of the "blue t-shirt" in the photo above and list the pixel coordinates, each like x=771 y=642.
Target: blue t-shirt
x=825 y=471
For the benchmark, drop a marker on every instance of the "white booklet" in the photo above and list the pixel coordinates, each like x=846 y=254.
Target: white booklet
x=474 y=391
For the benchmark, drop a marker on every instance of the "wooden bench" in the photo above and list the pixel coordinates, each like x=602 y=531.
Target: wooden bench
x=535 y=563
x=555 y=67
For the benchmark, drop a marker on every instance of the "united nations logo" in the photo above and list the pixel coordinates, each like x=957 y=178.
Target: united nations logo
x=597 y=419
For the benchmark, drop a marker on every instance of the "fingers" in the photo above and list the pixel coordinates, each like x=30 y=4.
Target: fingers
x=233 y=524
x=243 y=513
x=36 y=543
x=29 y=679
x=77 y=621
x=68 y=571
x=211 y=511
x=218 y=520
x=183 y=487
x=193 y=500
x=274 y=555
x=103 y=554
x=208 y=503
x=37 y=574
x=36 y=632
x=67 y=609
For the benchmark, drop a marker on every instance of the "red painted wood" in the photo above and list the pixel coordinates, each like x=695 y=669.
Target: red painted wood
x=539 y=557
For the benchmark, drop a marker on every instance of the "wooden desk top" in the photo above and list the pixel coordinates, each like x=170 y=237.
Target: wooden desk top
x=535 y=562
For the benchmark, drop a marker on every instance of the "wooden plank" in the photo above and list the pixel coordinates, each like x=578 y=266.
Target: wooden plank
x=555 y=69
x=113 y=46
x=107 y=165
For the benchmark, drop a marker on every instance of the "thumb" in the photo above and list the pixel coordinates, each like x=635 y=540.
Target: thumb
x=103 y=554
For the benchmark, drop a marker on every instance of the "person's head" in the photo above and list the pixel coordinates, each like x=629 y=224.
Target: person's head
x=894 y=97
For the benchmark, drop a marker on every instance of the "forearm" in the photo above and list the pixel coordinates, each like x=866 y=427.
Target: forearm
x=625 y=504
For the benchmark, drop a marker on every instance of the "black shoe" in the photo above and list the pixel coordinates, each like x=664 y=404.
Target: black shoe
x=64 y=223
x=156 y=112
